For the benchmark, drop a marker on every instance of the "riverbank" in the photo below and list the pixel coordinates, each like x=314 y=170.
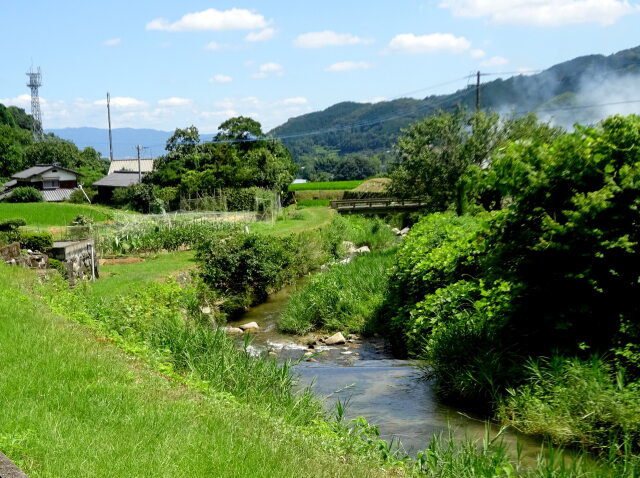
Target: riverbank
x=74 y=405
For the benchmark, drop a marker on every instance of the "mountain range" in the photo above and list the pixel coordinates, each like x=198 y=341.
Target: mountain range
x=584 y=90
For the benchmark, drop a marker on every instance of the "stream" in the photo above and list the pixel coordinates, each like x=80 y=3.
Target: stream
x=388 y=392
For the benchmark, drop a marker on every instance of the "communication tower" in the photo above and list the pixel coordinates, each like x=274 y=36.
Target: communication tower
x=35 y=81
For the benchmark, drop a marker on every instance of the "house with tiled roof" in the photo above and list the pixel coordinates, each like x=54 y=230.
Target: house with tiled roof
x=54 y=182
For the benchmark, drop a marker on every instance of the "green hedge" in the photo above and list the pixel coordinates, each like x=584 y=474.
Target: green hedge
x=36 y=241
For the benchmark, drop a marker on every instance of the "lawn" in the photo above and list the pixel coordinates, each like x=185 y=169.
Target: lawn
x=75 y=406
x=118 y=279
x=326 y=186
x=44 y=214
x=296 y=221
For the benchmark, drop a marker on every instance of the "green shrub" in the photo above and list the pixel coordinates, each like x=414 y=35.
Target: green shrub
x=25 y=194
x=36 y=241
x=9 y=225
x=57 y=265
x=78 y=197
x=248 y=267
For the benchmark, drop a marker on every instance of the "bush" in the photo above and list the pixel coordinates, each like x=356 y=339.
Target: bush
x=58 y=265
x=78 y=197
x=36 y=241
x=9 y=225
x=248 y=267
x=25 y=194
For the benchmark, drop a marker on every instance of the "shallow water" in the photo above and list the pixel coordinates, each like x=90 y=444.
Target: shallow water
x=388 y=392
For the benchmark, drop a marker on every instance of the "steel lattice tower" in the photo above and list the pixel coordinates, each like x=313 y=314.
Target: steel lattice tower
x=35 y=81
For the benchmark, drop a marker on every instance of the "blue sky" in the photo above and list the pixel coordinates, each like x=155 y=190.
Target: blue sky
x=173 y=64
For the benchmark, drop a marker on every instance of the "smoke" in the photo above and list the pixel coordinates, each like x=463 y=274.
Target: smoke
x=596 y=99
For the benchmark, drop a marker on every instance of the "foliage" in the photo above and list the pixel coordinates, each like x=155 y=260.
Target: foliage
x=36 y=241
x=347 y=297
x=10 y=225
x=553 y=273
x=325 y=186
x=165 y=234
x=247 y=267
x=58 y=266
x=575 y=402
x=78 y=197
x=436 y=153
x=25 y=194
x=237 y=160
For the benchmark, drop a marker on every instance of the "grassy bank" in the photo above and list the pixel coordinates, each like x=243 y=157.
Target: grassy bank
x=347 y=297
x=43 y=215
x=74 y=406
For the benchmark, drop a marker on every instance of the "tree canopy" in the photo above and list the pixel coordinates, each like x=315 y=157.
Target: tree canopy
x=237 y=158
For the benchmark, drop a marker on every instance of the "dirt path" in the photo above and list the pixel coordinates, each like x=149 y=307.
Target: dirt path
x=8 y=469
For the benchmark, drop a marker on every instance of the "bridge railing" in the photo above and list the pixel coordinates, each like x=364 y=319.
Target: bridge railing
x=375 y=203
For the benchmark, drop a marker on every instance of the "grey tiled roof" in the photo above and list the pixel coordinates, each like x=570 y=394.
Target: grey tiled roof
x=118 y=180
x=56 y=195
x=38 y=169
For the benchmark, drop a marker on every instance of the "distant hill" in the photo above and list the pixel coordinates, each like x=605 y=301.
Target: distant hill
x=124 y=140
x=563 y=94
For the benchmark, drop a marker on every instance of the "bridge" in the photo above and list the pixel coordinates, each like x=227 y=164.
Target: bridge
x=377 y=206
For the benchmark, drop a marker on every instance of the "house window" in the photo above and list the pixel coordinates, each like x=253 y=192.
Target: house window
x=50 y=183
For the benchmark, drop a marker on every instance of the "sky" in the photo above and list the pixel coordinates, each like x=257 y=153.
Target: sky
x=170 y=64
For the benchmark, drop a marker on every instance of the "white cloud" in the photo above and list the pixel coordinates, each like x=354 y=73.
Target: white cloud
x=348 y=66
x=543 y=12
x=432 y=43
x=299 y=100
x=212 y=20
x=269 y=69
x=262 y=35
x=21 y=101
x=215 y=46
x=477 y=53
x=112 y=42
x=328 y=38
x=494 y=61
x=122 y=102
x=220 y=79
x=175 y=101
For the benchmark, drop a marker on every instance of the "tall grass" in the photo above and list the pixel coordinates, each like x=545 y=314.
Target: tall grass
x=347 y=297
x=576 y=402
x=163 y=323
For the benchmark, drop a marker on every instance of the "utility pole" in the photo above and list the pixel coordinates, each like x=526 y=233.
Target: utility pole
x=478 y=92
x=109 y=117
x=139 y=148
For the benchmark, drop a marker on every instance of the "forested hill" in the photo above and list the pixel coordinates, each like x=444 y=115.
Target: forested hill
x=564 y=93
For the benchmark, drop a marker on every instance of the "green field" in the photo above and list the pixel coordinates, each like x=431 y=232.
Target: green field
x=44 y=214
x=313 y=203
x=326 y=186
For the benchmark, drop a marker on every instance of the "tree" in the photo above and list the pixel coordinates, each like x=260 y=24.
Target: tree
x=436 y=154
x=52 y=151
x=239 y=128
